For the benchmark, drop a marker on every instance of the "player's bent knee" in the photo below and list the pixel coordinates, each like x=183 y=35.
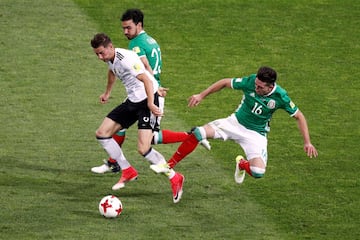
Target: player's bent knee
x=199 y=133
x=257 y=172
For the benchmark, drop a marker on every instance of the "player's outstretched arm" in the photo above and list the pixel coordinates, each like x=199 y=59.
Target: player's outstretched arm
x=195 y=99
x=304 y=130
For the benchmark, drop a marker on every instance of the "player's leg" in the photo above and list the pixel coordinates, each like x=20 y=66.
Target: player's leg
x=104 y=136
x=159 y=137
x=129 y=173
x=122 y=117
x=176 y=179
x=254 y=167
x=198 y=134
x=188 y=146
x=166 y=136
x=120 y=136
x=255 y=147
x=110 y=165
x=153 y=156
x=156 y=158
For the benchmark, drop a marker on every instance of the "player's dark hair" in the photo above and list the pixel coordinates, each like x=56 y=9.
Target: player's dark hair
x=133 y=14
x=266 y=74
x=100 y=39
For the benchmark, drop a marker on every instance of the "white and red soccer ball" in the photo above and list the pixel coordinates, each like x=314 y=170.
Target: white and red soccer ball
x=110 y=206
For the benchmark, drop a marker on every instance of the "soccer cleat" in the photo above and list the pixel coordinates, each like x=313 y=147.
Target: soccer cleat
x=239 y=173
x=160 y=168
x=107 y=167
x=177 y=183
x=205 y=143
x=129 y=174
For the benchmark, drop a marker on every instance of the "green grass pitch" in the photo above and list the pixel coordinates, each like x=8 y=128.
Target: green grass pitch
x=50 y=81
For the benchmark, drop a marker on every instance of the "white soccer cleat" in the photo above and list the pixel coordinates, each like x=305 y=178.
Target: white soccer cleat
x=160 y=168
x=102 y=169
x=205 y=143
x=108 y=166
x=239 y=173
x=118 y=186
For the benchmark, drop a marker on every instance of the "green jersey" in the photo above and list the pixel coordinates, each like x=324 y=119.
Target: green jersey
x=146 y=46
x=254 y=111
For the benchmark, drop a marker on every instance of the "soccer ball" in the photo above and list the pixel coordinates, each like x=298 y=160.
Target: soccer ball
x=110 y=206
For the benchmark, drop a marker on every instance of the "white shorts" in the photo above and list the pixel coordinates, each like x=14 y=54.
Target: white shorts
x=253 y=143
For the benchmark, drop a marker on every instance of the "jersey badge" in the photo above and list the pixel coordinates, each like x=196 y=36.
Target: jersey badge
x=137 y=67
x=271 y=104
x=136 y=49
x=292 y=105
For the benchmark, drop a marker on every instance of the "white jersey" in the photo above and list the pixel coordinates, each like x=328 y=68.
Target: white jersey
x=126 y=66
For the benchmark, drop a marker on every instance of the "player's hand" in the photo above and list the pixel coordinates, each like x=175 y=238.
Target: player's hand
x=104 y=98
x=310 y=150
x=155 y=110
x=162 y=91
x=194 y=100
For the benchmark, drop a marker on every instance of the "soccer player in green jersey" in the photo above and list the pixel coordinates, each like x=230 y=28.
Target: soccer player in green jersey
x=248 y=126
x=143 y=44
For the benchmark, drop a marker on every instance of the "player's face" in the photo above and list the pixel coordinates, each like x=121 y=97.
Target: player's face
x=262 y=88
x=105 y=53
x=131 y=30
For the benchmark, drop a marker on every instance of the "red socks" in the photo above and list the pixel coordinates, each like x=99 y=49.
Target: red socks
x=169 y=136
x=245 y=165
x=183 y=150
x=119 y=139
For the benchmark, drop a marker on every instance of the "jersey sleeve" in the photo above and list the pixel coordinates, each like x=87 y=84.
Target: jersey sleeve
x=288 y=105
x=242 y=83
x=137 y=49
x=134 y=64
x=236 y=83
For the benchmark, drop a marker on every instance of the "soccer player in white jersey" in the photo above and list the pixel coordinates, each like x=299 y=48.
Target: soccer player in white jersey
x=147 y=48
x=248 y=126
x=141 y=105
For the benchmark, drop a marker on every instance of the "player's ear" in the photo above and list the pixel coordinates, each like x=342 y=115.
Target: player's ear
x=271 y=85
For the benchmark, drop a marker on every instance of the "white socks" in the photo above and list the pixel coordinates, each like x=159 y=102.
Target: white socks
x=114 y=151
